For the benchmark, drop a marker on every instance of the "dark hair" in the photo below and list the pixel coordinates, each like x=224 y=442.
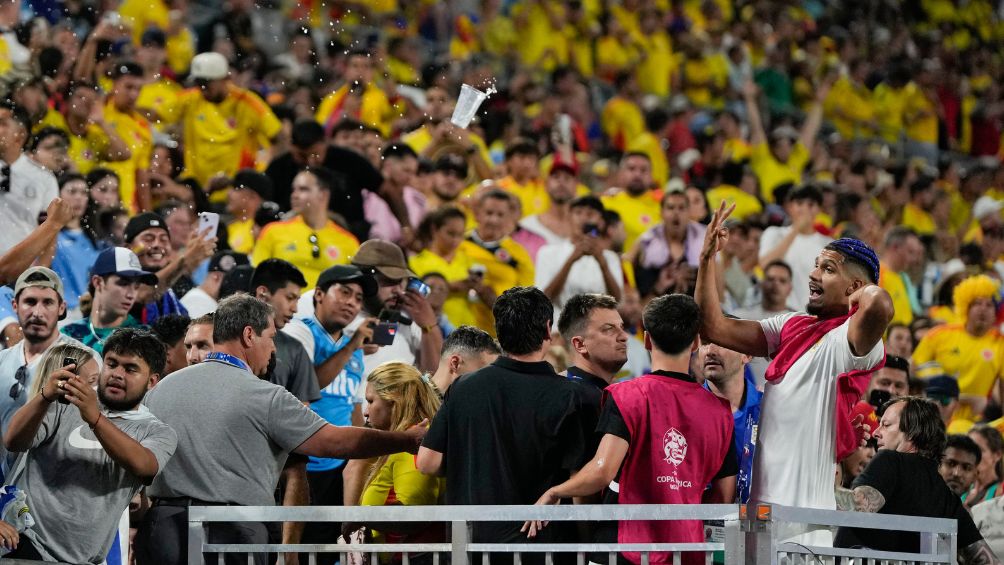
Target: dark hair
x=672 y=321
x=18 y=112
x=141 y=343
x=575 y=314
x=630 y=154
x=921 y=422
x=994 y=441
x=398 y=151
x=469 y=341
x=497 y=194
x=347 y=124
x=898 y=235
x=806 y=192
x=522 y=316
x=306 y=133
x=99 y=174
x=44 y=133
x=65 y=178
x=779 y=263
x=521 y=146
x=964 y=443
x=327 y=179
x=274 y=274
x=921 y=185
x=237 y=312
x=898 y=364
x=171 y=328
x=76 y=85
x=588 y=201
x=171 y=206
x=437 y=219
x=236 y=281
x=126 y=69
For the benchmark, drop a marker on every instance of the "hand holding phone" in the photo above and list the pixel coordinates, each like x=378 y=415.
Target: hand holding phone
x=67 y=361
x=208 y=221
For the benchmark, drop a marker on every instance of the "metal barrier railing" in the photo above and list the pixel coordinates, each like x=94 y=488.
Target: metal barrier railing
x=759 y=539
x=460 y=518
x=782 y=535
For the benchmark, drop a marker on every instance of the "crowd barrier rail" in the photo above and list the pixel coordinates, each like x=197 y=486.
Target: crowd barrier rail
x=759 y=537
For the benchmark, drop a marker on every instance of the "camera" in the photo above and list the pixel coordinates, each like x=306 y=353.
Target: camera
x=592 y=230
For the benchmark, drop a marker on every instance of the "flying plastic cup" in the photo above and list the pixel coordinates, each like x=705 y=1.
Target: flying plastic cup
x=467 y=105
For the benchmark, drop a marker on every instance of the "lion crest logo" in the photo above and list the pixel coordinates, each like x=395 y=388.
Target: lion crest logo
x=674 y=446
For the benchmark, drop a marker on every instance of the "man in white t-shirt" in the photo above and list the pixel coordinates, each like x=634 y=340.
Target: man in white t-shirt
x=797 y=244
x=581 y=264
x=805 y=424
x=26 y=188
x=554 y=224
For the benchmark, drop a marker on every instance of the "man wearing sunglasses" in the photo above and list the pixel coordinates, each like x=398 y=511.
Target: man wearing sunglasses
x=38 y=302
x=310 y=240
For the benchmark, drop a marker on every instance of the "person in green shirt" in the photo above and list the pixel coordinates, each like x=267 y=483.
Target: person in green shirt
x=116 y=278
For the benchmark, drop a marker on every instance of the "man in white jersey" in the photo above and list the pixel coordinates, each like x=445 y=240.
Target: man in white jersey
x=805 y=425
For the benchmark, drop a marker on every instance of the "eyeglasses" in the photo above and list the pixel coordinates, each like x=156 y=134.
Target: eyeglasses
x=315 y=249
x=19 y=380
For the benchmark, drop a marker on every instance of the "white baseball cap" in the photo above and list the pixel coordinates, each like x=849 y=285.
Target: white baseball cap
x=986 y=205
x=210 y=66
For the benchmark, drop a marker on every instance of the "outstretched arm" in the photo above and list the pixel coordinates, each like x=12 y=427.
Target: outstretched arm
x=868 y=324
x=744 y=336
x=757 y=134
x=814 y=121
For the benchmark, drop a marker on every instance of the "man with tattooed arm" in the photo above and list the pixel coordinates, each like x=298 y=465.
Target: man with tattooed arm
x=903 y=479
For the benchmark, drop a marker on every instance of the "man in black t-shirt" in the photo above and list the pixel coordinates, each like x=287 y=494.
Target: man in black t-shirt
x=510 y=431
x=597 y=342
x=903 y=479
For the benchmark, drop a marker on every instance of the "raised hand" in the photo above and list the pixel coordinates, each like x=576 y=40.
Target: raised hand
x=717 y=236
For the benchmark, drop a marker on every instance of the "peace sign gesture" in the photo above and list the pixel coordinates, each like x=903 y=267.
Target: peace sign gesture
x=717 y=235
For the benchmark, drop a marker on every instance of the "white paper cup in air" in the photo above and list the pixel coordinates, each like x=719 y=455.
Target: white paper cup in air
x=467 y=105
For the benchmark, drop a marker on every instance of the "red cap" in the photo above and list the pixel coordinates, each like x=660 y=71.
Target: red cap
x=559 y=165
x=867 y=417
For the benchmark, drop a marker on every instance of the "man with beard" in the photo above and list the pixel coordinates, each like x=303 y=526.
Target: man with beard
x=228 y=417
x=223 y=125
x=821 y=364
x=636 y=204
x=148 y=236
x=92 y=451
x=726 y=376
x=39 y=305
x=555 y=224
x=337 y=357
x=358 y=99
x=116 y=278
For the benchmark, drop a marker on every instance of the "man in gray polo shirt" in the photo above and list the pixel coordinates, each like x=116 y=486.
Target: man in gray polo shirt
x=235 y=431
x=88 y=458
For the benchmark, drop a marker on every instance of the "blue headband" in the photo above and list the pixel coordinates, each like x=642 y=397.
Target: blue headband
x=859 y=252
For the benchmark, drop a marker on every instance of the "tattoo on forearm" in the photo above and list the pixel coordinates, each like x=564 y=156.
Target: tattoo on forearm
x=845 y=498
x=978 y=553
x=868 y=499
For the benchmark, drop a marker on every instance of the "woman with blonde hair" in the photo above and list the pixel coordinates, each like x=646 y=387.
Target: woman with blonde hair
x=398 y=397
x=85 y=365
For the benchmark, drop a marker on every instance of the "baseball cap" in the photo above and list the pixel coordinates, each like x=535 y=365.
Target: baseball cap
x=225 y=261
x=942 y=386
x=41 y=277
x=142 y=222
x=123 y=262
x=383 y=256
x=868 y=418
x=153 y=36
x=267 y=213
x=451 y=163
x=209 y=66
x=255 y=182
x=562 y=165
x=985 y=206
x=347 y=274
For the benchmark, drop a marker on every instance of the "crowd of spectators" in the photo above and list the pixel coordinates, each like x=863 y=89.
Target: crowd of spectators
x=652 y=193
